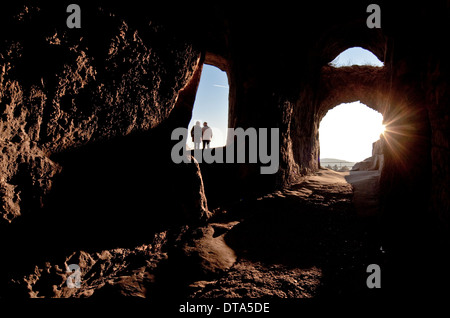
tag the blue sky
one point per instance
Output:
(211, 104)
(346, 132)
(356, 56)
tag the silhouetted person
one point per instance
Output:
(206, 135)
(196, 134)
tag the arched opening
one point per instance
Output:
(356, 56)
(211, 106)
(347, 133)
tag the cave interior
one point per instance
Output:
(87, 115)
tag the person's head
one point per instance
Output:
(197, 123)
(205, 124)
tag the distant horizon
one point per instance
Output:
(335, 160)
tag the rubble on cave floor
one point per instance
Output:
(300, 242)
(304, 241)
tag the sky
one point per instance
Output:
(211, 104)
(356, 56)
(346, 132)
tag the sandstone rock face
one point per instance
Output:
(86, 116)
(61, 90)
(375, 162)
(211, 252)
(103, 274)
(80, 110)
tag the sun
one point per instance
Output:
(382, 129)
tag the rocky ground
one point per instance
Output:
(305, 241)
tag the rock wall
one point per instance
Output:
(374, 162)
(62, 88)
(280, 77)
(276, 83)
(89, 109)
(81, 135)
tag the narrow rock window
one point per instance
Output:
(346, 134)
(356, 56)
(211, 105)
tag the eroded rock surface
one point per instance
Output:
(61, 90)
(305, 241)
(85, 123)
(375, 162)
(117, 272)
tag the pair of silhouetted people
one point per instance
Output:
(200, 134)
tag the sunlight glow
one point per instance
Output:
(348, 131)
(399, 131)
